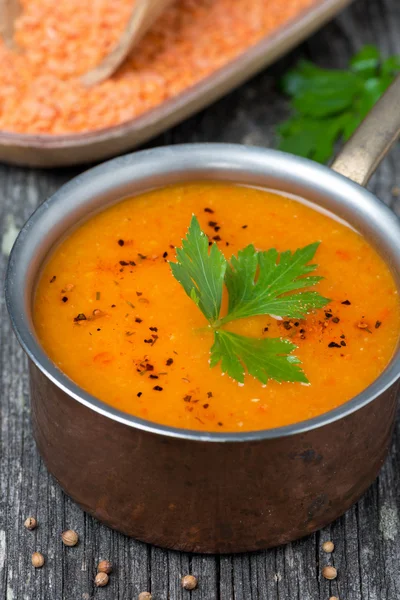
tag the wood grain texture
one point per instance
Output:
(367, 538)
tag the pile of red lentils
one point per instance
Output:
(59, 40)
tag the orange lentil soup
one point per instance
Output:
(112, 317)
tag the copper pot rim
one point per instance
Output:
(36, 354)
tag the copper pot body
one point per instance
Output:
(188, 490)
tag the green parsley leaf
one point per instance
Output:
(328, 105)
(258, 283)
(266, 358)
(200, 272)
(262, 283)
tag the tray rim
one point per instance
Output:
(52, 150)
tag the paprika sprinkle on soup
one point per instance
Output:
(40, 88)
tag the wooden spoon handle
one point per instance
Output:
(144, 13)
(9, 11)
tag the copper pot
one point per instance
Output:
(190, 490)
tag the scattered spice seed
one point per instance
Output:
(343, 343)
(153, 328)
(121, 242)
(206, 405)
(145, 596)
(104, 566)
(80, 317)
(187, 398)
(165, 254)
(189, 582)
(209, 395)
(169, 362)
(220, 424)
(333, 345)
(378, 324)
(130, 304)
(101, 579)
(244, 226)
(149, 367)
(346, 302)
(37, 560)
(139, 394)
(329, 573)
(328, 547)
(97, 296)
(217, 238)
(335, 320)
(30, 523)
(209, 210)
(70, 537)
(153, 376)
(157, 388)
(212, 223)
(137, 320)
(52, 280)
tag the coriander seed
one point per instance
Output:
(70, 537)
(37, 560)
(104, 566)
(328, 547)
(30, 523)
(101, 579)
(189, 582)
(144, 596)
(329, 572)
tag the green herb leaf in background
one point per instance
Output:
(328, 105)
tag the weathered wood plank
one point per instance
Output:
(367, 538)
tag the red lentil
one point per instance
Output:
(40, 91)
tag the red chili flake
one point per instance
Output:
(244, 226)
(346, 302)
(169, 362)
(139, 293)
(121, 242)
(206, 405)
(52, 280)
(212, 223)
(165, 254)
(123, 263)
(157, 388)
(187, 398)
(138, 320)
(216, 238)
(209, 395)
(64, 299)
(80, 317)
(378, 324)
(139, 394)
(149, 367)
(333, 345)
(335, 320)
(209, 210)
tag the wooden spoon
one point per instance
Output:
(9, 11)
(144, 13)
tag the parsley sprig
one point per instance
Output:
(328, 105)
(258, 283)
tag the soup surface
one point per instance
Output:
(145, 348)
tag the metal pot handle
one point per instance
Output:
(373, 139)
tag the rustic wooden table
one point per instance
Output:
(367, 538)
